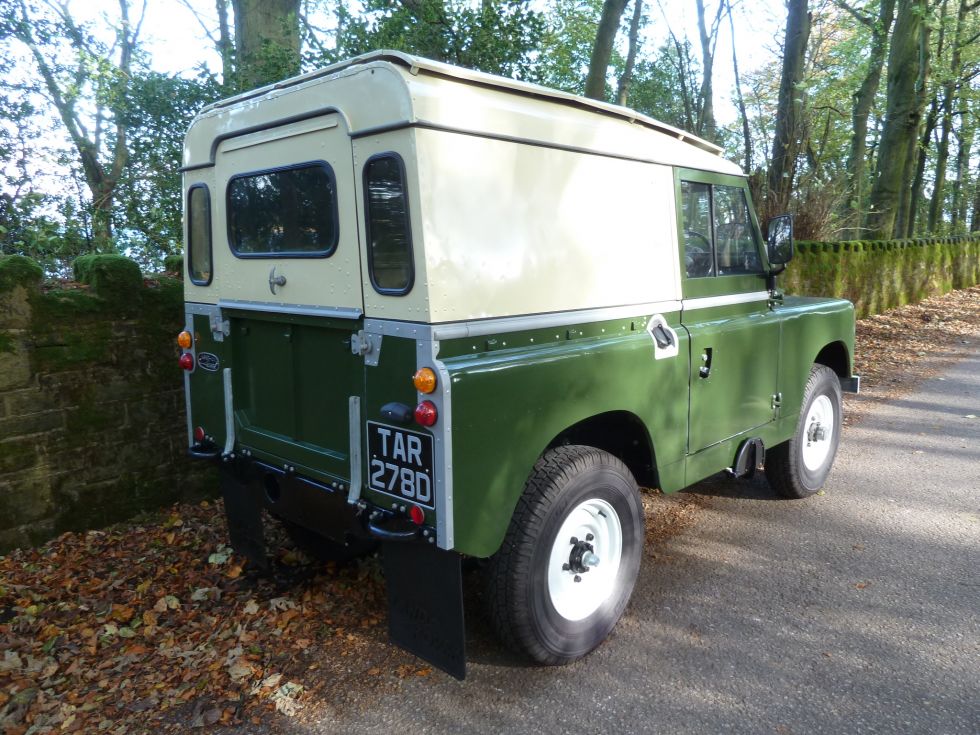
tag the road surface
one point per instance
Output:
(855, 611)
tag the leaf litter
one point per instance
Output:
(157, 626)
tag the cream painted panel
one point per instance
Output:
(333, 281)
(367, 96)
(469, 107)
(516, 229)
(413, 306)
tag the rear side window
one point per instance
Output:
(199, 234)
(389, 235)
(288, 211)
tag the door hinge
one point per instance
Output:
(368, 345)
(777, 400)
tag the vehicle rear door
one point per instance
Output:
(289, 278)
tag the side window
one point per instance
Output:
(718, 234)
(389, 234)
(696, 203)
(288, 211)
(735, 245)
(199, 234)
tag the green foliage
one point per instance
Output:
(18, 270)
(112, 277)
(496, 36)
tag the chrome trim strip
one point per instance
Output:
(192, 307)
(354, 420)
(728, 300)
(189, 326)
(341, 312)
(427, 352)
(229, 415)
(482, 327)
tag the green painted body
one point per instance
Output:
(744, 356)
(516, 393)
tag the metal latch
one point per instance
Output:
(777, 400)
(368, 345)
(220, 328)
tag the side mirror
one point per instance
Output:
(780, 241)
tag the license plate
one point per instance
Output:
(400, 463)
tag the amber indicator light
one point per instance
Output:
(185, 340)
(425, 380)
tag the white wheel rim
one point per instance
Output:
(818, 433)
(592, 522)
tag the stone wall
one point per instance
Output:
(882, 274)
(92, 427)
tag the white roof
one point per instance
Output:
(417, 91)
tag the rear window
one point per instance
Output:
(199, 234)
(389, 235)
(286, 211)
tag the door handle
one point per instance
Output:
(705, 368)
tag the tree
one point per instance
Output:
(622, 92)
(100, 140)
(595, 82)
(782, 169)
(906, 74)
(862, 102)
(709, 38)
(267, 41)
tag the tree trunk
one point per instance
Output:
(622, 94)
(706, 126)
(960, 186)
(902, 117)
(975, 219)
(225, 48)
(950, 92)
(740, 100)
(789, 108)
(595, 82)
(911, 199)
(864, 99)
(267, 40)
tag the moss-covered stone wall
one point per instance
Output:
(92, 427)
(880, 275)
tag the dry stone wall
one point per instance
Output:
(92, 427)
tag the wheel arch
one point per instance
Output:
(836, 357)
(621, 433)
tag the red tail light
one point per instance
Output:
(187, 361)
(417, 515)
(199, 434)
(426, 414)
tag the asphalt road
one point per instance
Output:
(856, 611)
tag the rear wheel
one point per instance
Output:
(567, 567)
(798, 468)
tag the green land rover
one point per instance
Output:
(465, 316)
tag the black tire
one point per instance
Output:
(566, 480)
(786, 469)
(322, 549)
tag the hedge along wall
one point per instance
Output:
(880, 275)
(92, 427)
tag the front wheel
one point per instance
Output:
(798, 468)
(567, 567)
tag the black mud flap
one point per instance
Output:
(425, 604)
(244, 515)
